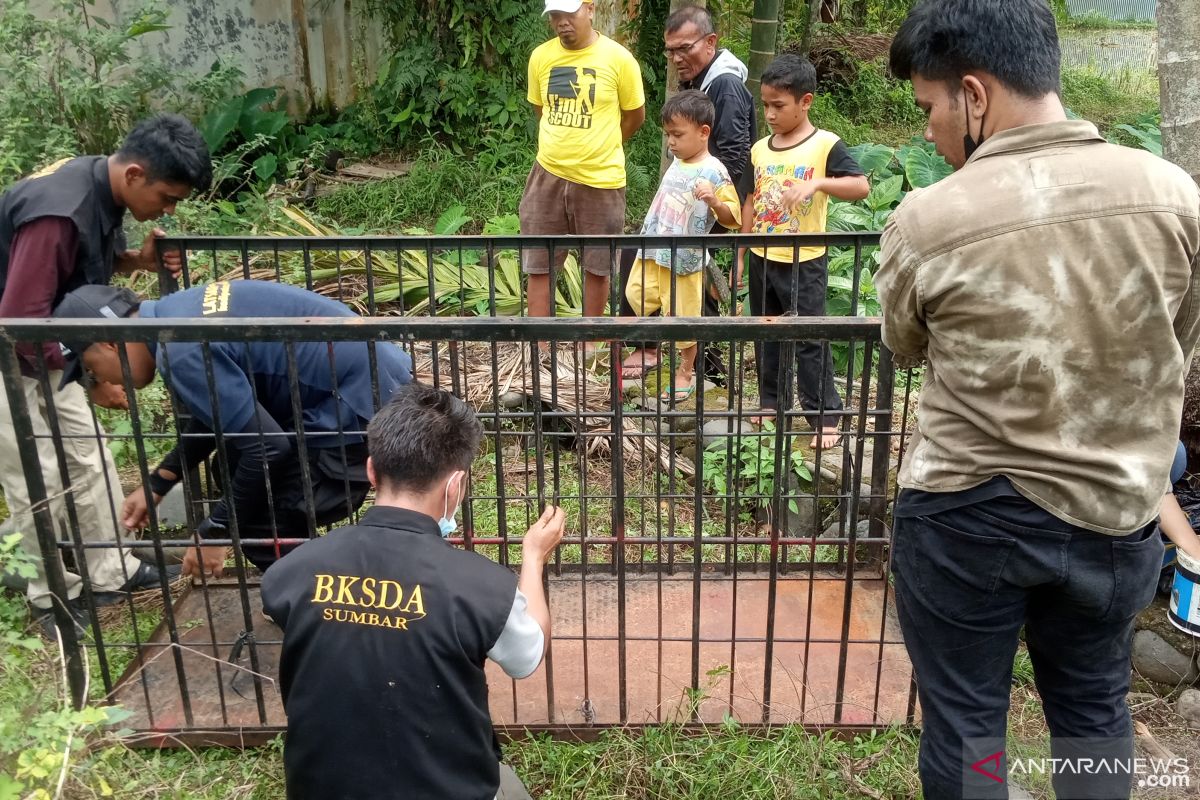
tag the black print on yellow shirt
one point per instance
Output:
(572, 96)
(387, 603)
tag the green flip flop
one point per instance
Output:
(673, 395)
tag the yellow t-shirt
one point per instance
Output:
(776, 171)
(582, 94)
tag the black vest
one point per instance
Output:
(386, 631)
(77, 189)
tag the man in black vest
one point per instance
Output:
(691, 45)
(387, 627)
(61, 228)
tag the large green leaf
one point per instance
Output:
(849, 217)
(255, 99)
(923, 167)
(885, 193)
(873, 158)
(217, 124)
(262, 123)
(148, 21)
(451, 221)
(264, 166)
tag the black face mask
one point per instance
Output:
(969, 143)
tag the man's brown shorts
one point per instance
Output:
(554, 206)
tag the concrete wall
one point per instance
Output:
(1140, 10)
(318, 51)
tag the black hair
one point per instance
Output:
(422, 434)
(169, 148)
(690, 104)
(791, 73)
(696, 15)
(1015, 41)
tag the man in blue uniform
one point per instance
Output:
(248, 400)
(386, 627)
(61, 228)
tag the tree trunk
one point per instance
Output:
(814, 16)
(1179, 93)
(1179, 82)
(673, 86)
(764, 30)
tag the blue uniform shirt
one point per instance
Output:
(244, 372)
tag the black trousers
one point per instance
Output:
(338, 490)
(967, 580)
(710, 363)
(778, 289)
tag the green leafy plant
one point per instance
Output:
(893, 172)
(38, 729)
(70, 82)
(747, 465)
(155, 420)
(453, 66)
(1146, 133)
(15, 561)
(256, 143)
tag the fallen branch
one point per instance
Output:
(1153, 748)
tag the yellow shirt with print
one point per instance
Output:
(582, 94)
(776, 171)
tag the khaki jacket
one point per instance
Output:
(1051, 285)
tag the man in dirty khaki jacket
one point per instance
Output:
(1050, 285)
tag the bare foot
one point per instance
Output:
(828, 438)
(763, 415)
(638, 363)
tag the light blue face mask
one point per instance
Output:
(447, 524)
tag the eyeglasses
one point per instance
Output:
(682, 50)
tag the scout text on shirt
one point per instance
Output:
(389, 604)
(572, 95)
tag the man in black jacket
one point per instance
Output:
(691, 45)
(387, 627)
(60, 229)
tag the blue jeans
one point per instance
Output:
(967, 580)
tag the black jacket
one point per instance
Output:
(76, 189)
(735, 128)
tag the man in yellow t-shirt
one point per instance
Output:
(587, 91)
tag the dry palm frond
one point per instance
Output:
(568, 386)
(146, 602)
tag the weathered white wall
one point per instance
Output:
(318, 51)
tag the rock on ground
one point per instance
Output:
(1157, 660)
(1188, 707)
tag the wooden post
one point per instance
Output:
(764, 30)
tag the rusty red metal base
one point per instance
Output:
(834, 658)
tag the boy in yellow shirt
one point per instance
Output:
(695, 191)
(788, 181)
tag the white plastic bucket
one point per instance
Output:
(1184, 608)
